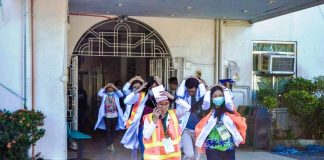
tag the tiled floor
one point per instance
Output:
(95, 149)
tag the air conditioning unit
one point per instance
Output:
(278, 64)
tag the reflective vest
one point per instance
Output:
(238, 120)
(134, 109)
(154, 149)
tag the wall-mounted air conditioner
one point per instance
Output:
(278, 64)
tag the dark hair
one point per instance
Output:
(150, 81)
(191, 83)
(222, 109)
(106, 89)
(151, 102)
(173, 80)
(136, 81)
(118, 83)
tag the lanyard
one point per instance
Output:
(165, 127)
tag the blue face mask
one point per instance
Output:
(110, 93)
(218, 101)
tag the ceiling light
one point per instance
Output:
(271, 1)
(245, 10)
(120, 4)
(189, 8)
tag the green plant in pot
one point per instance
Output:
(19, 130)
(271, 102)
(267, 96)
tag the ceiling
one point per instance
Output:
(252, 10)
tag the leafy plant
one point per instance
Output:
(290, 133)
(305, 107)
(19, 130)
(301, 84)
(271, 102)
(266, 88)
(319, 83)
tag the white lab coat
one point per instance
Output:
(130, 138)
(229, 124)
(182, 93)
(127, 112)
(101, 114)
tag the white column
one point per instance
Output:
(50, 30)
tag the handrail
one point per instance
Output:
(13, 92)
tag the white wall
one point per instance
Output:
(193, 39)
(307, 28)
(189, 38)
(49, 50)
(236, 47)
(11, 34)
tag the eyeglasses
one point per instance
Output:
(163, 105)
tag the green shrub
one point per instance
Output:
(19, 130)
(305, 101)
(319, 83)
(271, 102)
(301, 84)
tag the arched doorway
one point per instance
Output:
(116, 37)
(115, 49)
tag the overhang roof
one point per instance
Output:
(251, 10)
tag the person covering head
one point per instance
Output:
(173, 83)
(158, 93)
(217, 101)
(151, 83)
(191, 85)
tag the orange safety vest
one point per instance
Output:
(238, 120)
(154, 149)
(134, 109)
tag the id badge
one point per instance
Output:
(223, 132)
(168, 146)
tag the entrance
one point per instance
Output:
(114, 50)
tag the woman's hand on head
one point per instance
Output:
(108, 85)
(114, 87)
(166, 93)
(142, 87)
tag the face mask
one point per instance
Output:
(110, 93)
(218, 101)
(134, 88)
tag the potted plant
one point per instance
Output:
(19, 130)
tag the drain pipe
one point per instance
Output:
(91, 15)
(220, 52)
(32, 54)
(25, 11)
(216, 37)
(32, 65)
